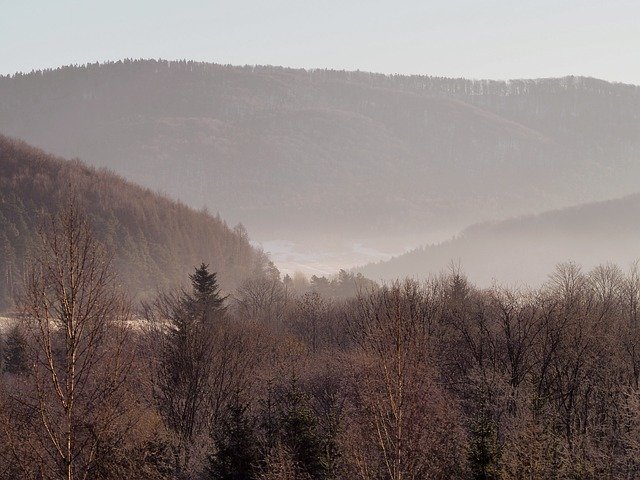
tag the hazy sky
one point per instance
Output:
(478, 39)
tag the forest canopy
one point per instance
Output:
(155, 241)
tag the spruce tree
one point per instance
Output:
(15, 351)
(205, 289)
(484, 451)
(186, 363)
(236, 443)
(300, 435)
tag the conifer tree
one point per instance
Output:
(236, 443)
(206, 291)
(300, 435)
(186, 364)
(14, 355)
(484, 452)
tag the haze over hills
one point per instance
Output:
(155, 241)
(325, 160)
(524, 250)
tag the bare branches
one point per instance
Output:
(77, 329)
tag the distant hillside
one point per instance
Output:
(156, 241)
(525, 249)
(308, 153)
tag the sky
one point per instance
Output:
(456, 38)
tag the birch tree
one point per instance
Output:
(76, 323)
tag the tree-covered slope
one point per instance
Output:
(525, 249)
(155, 241)
(314, 152)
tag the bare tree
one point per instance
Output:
(261, 298)
(311, 310)
(76, 323)
(405, 418)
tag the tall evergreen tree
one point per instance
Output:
(14, 353)
(484, 451)
(205, 290)
(299, 433)
(187, 360)
(236, 442)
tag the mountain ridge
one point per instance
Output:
(596, 232)
(298, 155)
(155, 241)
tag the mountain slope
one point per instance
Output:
(155, 241)
(295, 153)
(525, 249)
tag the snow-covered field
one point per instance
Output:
(135, 323)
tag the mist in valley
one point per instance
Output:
(335, 169)
(319, 240)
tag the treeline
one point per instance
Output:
(434, 380)
(491, 250)
(432, 83)
(341, 286)
(568, 102)
(154, 240)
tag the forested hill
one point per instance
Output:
(155, 241)
(525, 249)
(313, 152)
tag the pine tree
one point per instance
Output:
(185, 366)
(484, 452)
(236, 456)
(206, 292)
(299, 432)
(15, 351)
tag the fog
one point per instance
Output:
(334, 169)
(523, 251)
(296, 240)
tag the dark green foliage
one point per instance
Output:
(236, 443)
(343, 285)
(14, 354)
(206, 292)
(196, 309)
(484, 451)
(187, 359)
(299, 433)
(329, 409)
(288, 424)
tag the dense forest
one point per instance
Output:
(297, 153)
(434, 380)
(523, 250)
(155, 241)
